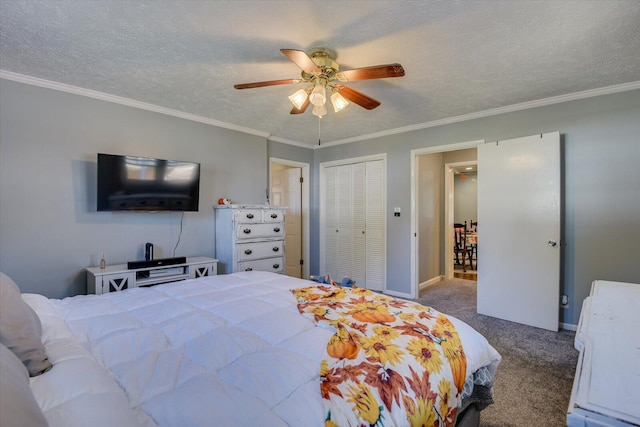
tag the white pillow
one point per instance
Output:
(20, 328)
(18, 406)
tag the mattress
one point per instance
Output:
(228, 350)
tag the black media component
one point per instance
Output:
(148, 251)
(132, 265)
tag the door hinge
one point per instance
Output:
(301, 180)
(301, 262)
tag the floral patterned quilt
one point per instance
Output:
(390, 363)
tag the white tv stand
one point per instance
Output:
(115, 278)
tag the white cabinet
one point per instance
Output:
(354, 223)
(115, 278)
(250, 237)
(606, 387)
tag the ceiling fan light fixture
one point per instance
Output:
(338, 101)
(319, 110)
(318, 96)
(298, 98)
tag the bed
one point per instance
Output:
(249, 349)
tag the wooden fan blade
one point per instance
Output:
(301, 59)
(367, 73)
(302, 109)
(267, 83)
(358, 97)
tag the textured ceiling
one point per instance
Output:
(460, 57)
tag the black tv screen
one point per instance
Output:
(130, 183)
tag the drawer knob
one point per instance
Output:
(274, 215)
(247, 230)
(276, 249)
(277, 229)
(248, 269)
(250, 215)
(248, 251)
(276, 266)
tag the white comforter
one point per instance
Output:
(229, 350)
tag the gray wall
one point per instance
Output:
(465, 198)
(49, 228)
(601, 149)
(430, 211)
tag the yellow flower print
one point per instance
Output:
(419, 412)
(381, 349)
(324, 367)
(318, 311)
(386, 333)
(444, 388)
(426, 352)
(364, 403)
(408, 317)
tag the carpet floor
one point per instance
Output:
(533, 382)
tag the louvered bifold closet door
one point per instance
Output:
(375, 226)
(355, 223)
(344, 220)
(331, 222)
(359, 223)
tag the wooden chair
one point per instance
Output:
(459, 242)
(472, 248)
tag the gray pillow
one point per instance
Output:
(20, 328)
(18, 406)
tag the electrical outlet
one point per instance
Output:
(564, 301)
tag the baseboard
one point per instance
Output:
(422, 286)
(568, 326)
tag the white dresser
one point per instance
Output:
(606, 388)
(249, 237)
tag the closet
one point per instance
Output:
(354, 223)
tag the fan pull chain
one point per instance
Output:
(319, 129)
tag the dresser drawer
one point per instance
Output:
(273, 216)
(250, 251)
(244, 216)
(253, 231)
(275, 265)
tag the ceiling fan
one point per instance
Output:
(322, 72)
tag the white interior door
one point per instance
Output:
(519, 230)
(293, 223)
(286, 190)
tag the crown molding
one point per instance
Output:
(288, 141)
(21, 78)
(624, 87)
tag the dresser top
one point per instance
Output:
(235, 206)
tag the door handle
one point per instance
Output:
(552, 243)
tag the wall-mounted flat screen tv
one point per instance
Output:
(130, 183)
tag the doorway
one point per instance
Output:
(289, 186)
(461, 215)
(430, 217)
